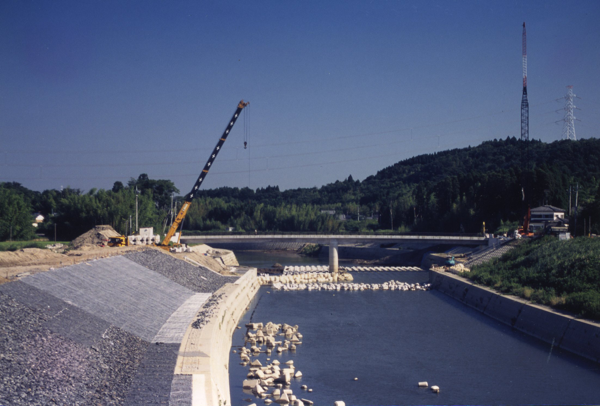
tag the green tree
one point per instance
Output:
(15, 216)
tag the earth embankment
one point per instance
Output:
(104, 331)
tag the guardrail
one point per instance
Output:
(341, 237)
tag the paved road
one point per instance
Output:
(341, 238)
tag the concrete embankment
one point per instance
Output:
(561, 330)
(203, 358)
(100, 332)
(259, 246)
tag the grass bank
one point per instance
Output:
(17, 245)
(560, 274)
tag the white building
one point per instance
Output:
(548, 216)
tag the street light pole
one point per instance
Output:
(136, 210)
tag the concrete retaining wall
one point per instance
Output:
(581, 337)
(204, 353)
(258, 246)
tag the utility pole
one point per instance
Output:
(576, 202)
(570, 187)
(172, 194)
(136, 210)
(54, 232)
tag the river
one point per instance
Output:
(392, 340)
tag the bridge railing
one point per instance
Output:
(195, 233)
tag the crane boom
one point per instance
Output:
(190, 196)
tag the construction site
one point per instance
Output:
(93, 245)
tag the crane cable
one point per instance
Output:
(246, 126)
(246, 132)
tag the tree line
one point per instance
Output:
(452, 191)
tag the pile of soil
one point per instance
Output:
(97, 235)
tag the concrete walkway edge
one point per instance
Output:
(204, 353)
(559, 329)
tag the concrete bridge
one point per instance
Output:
(332, 240)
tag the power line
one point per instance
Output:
(258, 158)
(341, 137)
(171, 176)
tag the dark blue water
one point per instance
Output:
(393, 340)
(266, 260)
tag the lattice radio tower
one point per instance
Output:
(569, 120)
(524, 102)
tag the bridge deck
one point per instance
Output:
(341, 238)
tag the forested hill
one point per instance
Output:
(454, 190)
(575, 160)
(459, 189)
(449, 191)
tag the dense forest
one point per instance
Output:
(453, 191)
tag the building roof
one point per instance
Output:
(548, 209)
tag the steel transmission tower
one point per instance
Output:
(524, 102)
(569, 127)
(525, 158)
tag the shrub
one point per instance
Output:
(527, 292)
(548, 271)
(585, 304)
(311, 250)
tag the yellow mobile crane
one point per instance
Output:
(190, 196)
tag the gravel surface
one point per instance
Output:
(207, 311)
(54, 352)
(152, 383)
(197, 279)
(117, 290)
(41, 367)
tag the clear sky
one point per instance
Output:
(96, 91)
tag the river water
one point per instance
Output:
(392, 340)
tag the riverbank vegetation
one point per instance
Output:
(19, 245)
(452, 191)
(561, 274)
(311, 250)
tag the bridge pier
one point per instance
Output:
(333, 255)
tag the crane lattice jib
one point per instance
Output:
(190, 196)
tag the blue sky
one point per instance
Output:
(94, 92)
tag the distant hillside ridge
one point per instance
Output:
(448, 191)
(454, 191)
(483, 183)
(576, 159)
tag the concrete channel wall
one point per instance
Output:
(578, 336)
(204, 353)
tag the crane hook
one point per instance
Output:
(245, 145)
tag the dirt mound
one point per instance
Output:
(97, 235)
